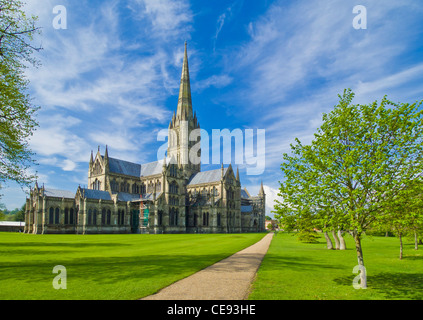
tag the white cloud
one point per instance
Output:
(168, 18)
(94, 86)
(217, 81)
(302, 54)
(271, 196)
(68, 165)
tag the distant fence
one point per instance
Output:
(12, 226)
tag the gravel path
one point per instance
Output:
(228, 279)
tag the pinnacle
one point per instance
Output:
(184, 111)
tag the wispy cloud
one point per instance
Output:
(168, 18)
(293, 68)
(226, 17)
(95, 86)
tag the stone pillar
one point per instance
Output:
(45, 218)
(27, 208)
(127, 218)
(84, 217)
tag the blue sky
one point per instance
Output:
(112, 77)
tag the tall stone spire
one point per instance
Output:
(261, 192)
(184, 111)
(181, 126)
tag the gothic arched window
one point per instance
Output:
(71, 216)
(109, 215)
(66, 216)
(95, 217)
(51, 216)
(103, 217)
(57, 216)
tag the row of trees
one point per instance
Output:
(13, 215)
(362, 170)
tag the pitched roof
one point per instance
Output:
(124, 167)
(244, 194)
(59, 193)
(145, 197)
(134, 169)
(95, 194)
(151, 168)
(123, 196)
(207, 176)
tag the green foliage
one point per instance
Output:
(308, 236)
(362, 157)
(17, 113)
(13, 215)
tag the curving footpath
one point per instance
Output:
(228, 279)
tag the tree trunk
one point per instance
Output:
(401, 250)
(336, 239)
(363, 276)
(342, 243)
(416, 242)
(328, 241)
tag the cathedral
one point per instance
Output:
(171, 195)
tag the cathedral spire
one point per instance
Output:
(261, 188)
(184, 111)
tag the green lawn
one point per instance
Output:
(107, 266)
(294, 270)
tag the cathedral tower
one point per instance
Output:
(182, 150)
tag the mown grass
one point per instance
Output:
(292, 270)
(106, 267)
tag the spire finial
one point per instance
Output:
(184, 110)
(261, 188)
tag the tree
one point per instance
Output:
(362, 156)
(403, 214)
(17, 113)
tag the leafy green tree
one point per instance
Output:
(403, 214)
(2, 212)
(17, 113)
(362, 156)
(20, 213)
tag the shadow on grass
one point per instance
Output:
(63, 244)
(109, 270)
(392, 285)
(277, 262)
(42, 248)
(409, 257)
